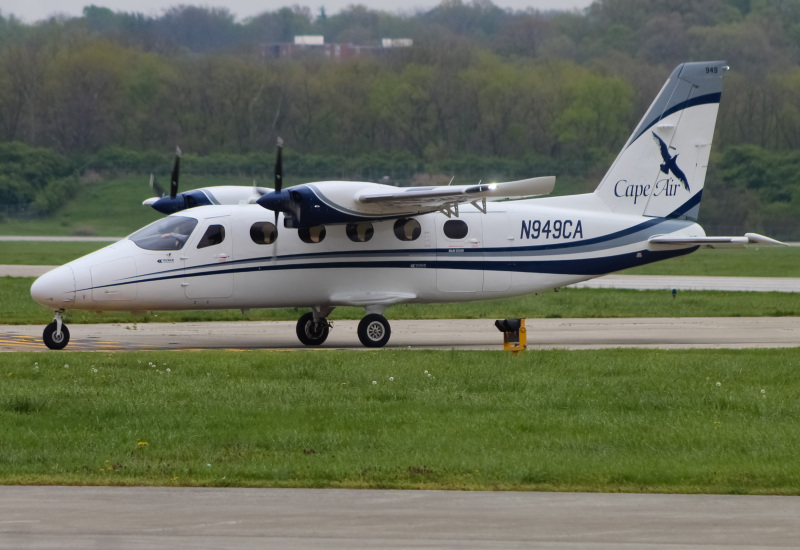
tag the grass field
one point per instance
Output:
(619, 420)
(112, 208)
(44, 253)
(17, 307)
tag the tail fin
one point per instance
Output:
(661, 170)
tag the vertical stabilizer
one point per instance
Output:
(661, 170)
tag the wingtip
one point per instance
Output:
(755, 238)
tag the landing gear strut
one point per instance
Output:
(56, 334)
(313, 327)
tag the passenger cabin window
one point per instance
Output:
(407, 229)
(214, 235)
(359, 232)
(168, 233)
(455, 229)
(314, 234)
(263, 232)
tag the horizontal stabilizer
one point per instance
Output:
(670, 242)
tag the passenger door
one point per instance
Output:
(459, 253)
(205, 260)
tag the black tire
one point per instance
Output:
(310, 333)
(50, 338)
(374, 331)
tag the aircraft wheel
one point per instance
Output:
(311, 333)
(53, 340)
(374, 331)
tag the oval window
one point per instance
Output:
(314, 234)
(214, 235)
(263, 232)
(407, 229)
(359, 232)
(455, 229)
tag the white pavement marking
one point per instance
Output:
(200, 518)
(24, 270)
(467, 334)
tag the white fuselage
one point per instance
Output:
(517, 247)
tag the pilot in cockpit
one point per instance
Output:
(180, 233)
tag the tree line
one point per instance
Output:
(484, 90)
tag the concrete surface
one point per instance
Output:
(663, 333)
(186, 518)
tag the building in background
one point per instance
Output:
(316, 43)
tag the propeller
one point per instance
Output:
(279, 200)
(156, 187)
(162, 203)
(176, 171)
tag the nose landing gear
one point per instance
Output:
(312, 332)
(56, 334)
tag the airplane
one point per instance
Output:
(372, 245)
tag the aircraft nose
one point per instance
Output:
(56, 288)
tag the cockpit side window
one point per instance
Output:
(215, 234)
(168, 233)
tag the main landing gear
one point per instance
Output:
(373, 330)
(56, 334)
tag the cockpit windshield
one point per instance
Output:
(168, 233)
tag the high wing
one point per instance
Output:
(670, 242)
(338, 202)
(447, 198)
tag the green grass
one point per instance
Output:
(110, 208)
(765, 261)
(697, 421)
(17, 307)
(44, 253)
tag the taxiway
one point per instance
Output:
(467, 334)
(177, 518)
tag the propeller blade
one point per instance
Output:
(176, 170)
(279, 167)
(275, 242)
(155, 186)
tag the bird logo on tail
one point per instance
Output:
(670, 162)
